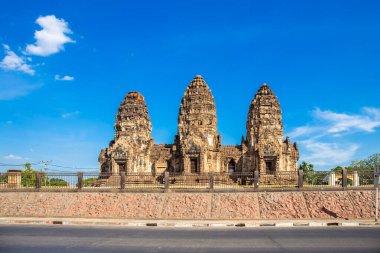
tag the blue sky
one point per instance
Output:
(66, 66)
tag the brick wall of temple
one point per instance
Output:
(250, 205)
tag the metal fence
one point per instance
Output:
(189, 181)
(244, 181)
(233, 181)
(143, 181)
(322, 179)
(286, 179)
(360, 178)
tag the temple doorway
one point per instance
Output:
(231, 166)
(122, 167)
(270, 167)
(194, 165)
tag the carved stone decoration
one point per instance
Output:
(197, 146)
(266, 148)
(197, 129)
(130, 151)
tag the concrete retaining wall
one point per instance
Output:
(221, 206)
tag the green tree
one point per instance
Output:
(57, 182)
(370, 163)
(365, 168)
(3, 178)
(89, 181)
(309, 174)
(338, 170)
(28, 176)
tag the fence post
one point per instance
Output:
(355, 179)
(166, 181)
(332, 178)
(38, 180)
(80, 180)
(376, 177)
(344, 178)
(122, 180)
(211, 182)
(300, 179)
(256, 179)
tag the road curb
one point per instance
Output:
(184, 223)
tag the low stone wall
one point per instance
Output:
(221, 206)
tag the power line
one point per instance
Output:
(60, 166)
(4, 164)
(48, 163)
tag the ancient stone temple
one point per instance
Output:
(197, 146)
(266, 149)
(131, 149)
(198, 141)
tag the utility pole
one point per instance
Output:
(46, 163)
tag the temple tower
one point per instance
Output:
(197, 145)
(198, 141)
(267, 152)
(131, 148)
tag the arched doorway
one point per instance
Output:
(231, 166)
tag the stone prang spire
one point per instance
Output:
(197, 145)
(267, 151)
(197, 127)
(133, 119)
(264, 117)
(133, 141)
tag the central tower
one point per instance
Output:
(198, 141)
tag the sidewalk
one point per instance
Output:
(186, 223)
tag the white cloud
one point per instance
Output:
(70, 114)
(14, 62)
(329, 123)
(63, 78)
(328, 154)
(303, 131)
(375, 112)
(12, 157)
(20, 89)
(13, 86)
(318, 139)
(51, 38)
(340, 122)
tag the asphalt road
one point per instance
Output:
(58, 238)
